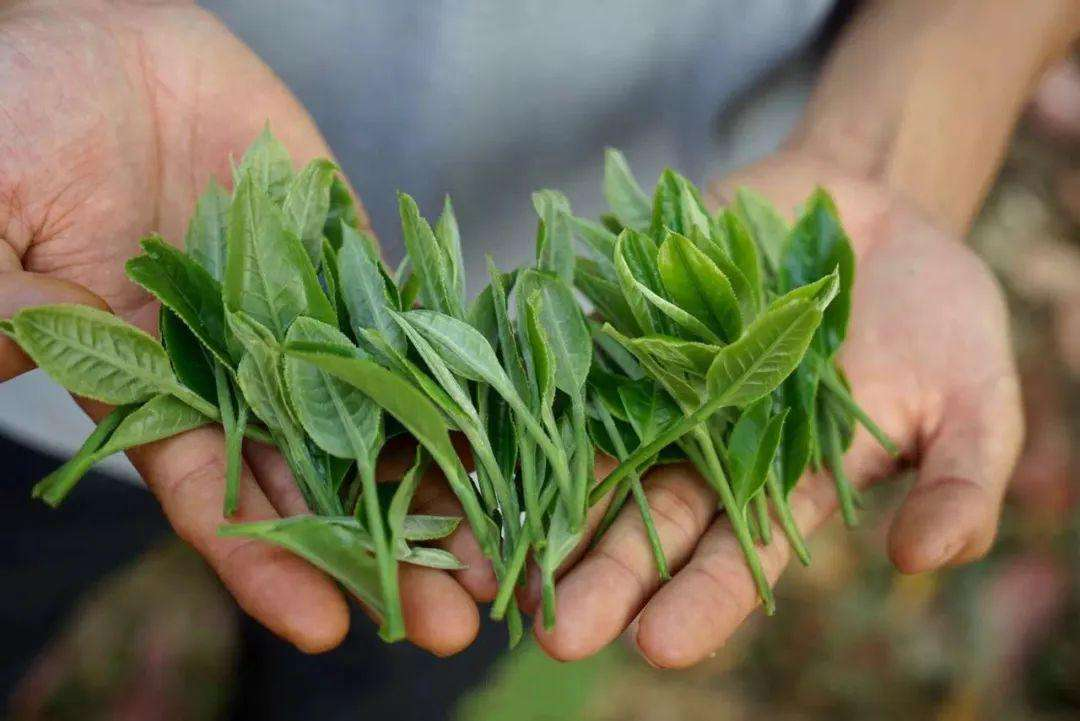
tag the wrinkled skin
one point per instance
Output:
(113, 116)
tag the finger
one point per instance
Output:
(434, 497)
(599, 596)
(529, 595)
(278, 589)
(440, 615)
(950, 516)
(274, 476)
(697, 611)
(21, 289)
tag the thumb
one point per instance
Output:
(950, 516)
(21, 289)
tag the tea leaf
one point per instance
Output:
(635, 266)
(186, 288)
(555, 247)
(327, 544)
(698, 286)
(94, 354)
(432, 558)
(364, 291)
(605, 295)
(766, 354)
(767, 227)
(190, 360)
(599, 239)
(55, 487)
(205, 240)
(799, 394)
(818, 246)
(268, 164)
(679, 317)
(463, 348)
(342, 420)
(396, 516)
(687, 356)
(342, 210)
(568, 335)
(449, 237)
(269, 275)
(160, 417)
(627, 200)
(431, 264)
(307, 201)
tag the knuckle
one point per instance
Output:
(675, 510)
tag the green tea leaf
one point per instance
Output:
(307, 201)
(599, 240)
(799, 394)
(636, 266)
(627, 200)
(364, 291)
(259, 377)
(396, 396)
(767, 227)
(648, 408)
(428, 528)
(818, 246)
(753, 470)
(555, 246)
(327, 544)
(432, 558)
(94, 354)
(687, 356)
(268, 164)
(541, 362)
(186, 288)
(341, 420)
(449, 237)
(55, 487)
(160, 417)
(564, 325)
(431, 264)
(767, 353)
(269, 275)
(605, 295)
(342, 210)
(744, 254)
(190, 360)
(679, 318)
(463, 348)
(699, 287)
(396, 515)
(205, 240)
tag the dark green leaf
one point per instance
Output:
(185, 288)
(190, 360)
(698, 286)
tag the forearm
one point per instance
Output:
(922, 95)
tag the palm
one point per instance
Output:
(111, 139)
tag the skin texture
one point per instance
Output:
(113, 115)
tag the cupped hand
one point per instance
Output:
(113, 117)
(929, 358)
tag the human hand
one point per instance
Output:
(928, 357)
(113, 117)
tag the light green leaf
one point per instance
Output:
(431, 264)
(635, 267)
(605, 295)
(268, 164)
(554, 242)
(564, 325)
(341, 420)
(768, 228)
(679, 317)
(687, 356)
(160, 417)
(449, 237)
(767, 353)
(269, 275)
(205, 240)
(364, 290)
(627, 200)
(307, 201)
(463, 348)
(340, 551)
(432, 558)
(753, 470)
(600, 240)
(696, 285)
(94, 354)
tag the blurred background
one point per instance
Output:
(105, 615)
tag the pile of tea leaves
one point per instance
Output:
(711, 339)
